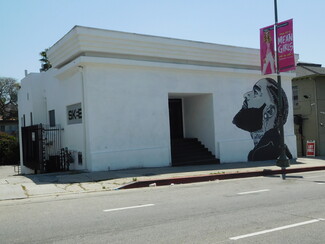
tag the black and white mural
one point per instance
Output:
(259, 116)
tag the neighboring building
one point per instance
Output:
(123, 99)
(9, 126)
(309, 107)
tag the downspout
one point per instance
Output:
(81, 69)
(316, 116)
(20, 125)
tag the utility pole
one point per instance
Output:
(282, 161)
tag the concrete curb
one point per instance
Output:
(213, 177)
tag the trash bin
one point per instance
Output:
(310, 152)
(53, 164)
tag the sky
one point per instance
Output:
(27, 27)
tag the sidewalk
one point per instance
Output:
(13, 186)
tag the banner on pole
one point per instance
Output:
(267, 50)
(286, 56)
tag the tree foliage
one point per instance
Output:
(8, 98)
(45, 61)
(9, 149)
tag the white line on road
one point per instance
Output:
(131, 207)
(251, 192)
(276, 229)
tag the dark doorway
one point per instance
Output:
(176, 118)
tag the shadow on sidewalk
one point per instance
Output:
(69, 177)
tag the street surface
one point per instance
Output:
(252, 210)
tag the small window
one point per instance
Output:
(79, 158)
(52, 118)
(295, 95)
(23, 120)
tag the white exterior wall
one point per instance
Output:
(60, 94)
(32, 103)
(32, 99)
(127, 107)
(125, 120)
(128, 118)
(43, 92)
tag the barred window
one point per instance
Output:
(52, 118)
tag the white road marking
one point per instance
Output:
(131, 207)
(321, 183)
(251, 192)
(276, 229)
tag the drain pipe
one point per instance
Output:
(316, 116)
(81, 69)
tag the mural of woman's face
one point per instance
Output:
(258, 107)
(259, 116)
(259, 96)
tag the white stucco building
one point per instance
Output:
(110, 91)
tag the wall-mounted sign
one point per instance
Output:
(74, 114)
(310, 148)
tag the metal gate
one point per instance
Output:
(42, 148)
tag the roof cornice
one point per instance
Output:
(85, 41)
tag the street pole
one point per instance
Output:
(282, 161)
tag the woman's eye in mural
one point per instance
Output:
(257, 91)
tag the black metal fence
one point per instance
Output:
(32, 146)
(42, 150)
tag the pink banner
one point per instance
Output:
(285, 46)
(267, 50)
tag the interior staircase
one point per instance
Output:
(190, 151)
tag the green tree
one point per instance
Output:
(45, 61)
(9, 149)
(8, 98)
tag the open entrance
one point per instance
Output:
(191, 121)
(176, 118)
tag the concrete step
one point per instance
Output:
(190, 151)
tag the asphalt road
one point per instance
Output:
(254, 210)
